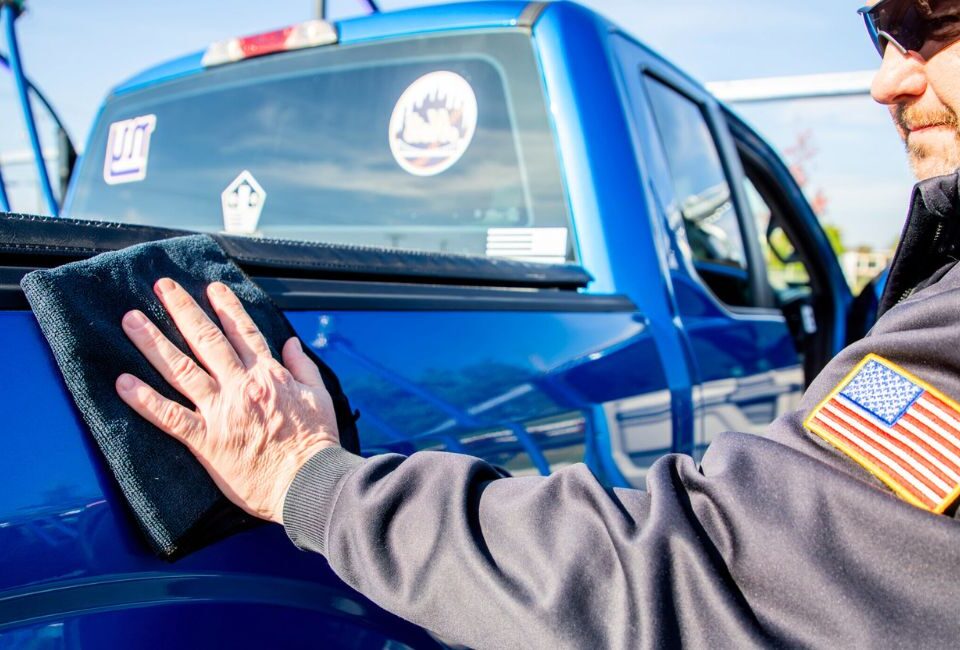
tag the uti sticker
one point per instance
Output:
(433, 123)
(242, 203)
(128, 148)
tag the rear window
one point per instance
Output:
(437, 144)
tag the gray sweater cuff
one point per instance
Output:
(312, 494)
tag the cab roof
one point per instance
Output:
(407, 22)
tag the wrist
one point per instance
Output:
(311, 497)
(296, 461)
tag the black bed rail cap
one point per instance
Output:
(48, 241)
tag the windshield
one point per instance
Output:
(437, 144)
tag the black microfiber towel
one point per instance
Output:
(79, 307)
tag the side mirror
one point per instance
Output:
(780, 244)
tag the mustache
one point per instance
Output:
(909, 118)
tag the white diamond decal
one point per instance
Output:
(242, 204)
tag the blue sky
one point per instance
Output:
(77, 51)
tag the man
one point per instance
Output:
(918, 79)
(825, 532)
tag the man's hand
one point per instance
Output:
(256, 421)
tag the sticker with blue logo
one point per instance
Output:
(128, 149)
(433, 123)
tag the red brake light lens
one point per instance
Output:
(312, 33)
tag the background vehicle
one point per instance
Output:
(588, 151)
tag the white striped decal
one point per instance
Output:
(892, 466)
(881, 436)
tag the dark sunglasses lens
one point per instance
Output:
(899, 20)
(925, 30)
(943, 26)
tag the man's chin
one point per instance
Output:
(930, 161)
(925, 168)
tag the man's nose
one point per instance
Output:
(901, 77)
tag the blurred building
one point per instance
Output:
(861, 266)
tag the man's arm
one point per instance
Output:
(767, 541)
(767, 546)
(562, 561)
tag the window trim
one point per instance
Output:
(762, 297)
(829, 307)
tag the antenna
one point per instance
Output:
(320, 8)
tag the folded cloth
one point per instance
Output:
(79, 307)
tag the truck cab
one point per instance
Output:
(385, 173)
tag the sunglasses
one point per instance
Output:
(921, 26)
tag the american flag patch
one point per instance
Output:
(898, 428)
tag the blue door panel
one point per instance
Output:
(526, 390)
(442, 380)
(744, 363)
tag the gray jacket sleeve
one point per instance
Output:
(775, 540)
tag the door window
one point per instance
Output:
(703, 196)
(786, 271)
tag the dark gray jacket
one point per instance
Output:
(773, 540)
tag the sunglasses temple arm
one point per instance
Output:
(892, 41)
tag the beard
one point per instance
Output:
(929, 159)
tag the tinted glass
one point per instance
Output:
(362, 144)
(702, 192)
(785, 270)
(923, 27)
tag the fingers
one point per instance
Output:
(206, 340)
(178, 369)
(240, 329)
(300, 365)
(167, 415)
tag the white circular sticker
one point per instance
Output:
(433, 123)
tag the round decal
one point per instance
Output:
(433, 123)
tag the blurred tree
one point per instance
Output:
(835, 235)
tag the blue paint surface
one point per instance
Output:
(517, 395)
(180, 67)
(431, 19)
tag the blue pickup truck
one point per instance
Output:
(388, 180)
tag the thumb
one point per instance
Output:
(299, 364)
